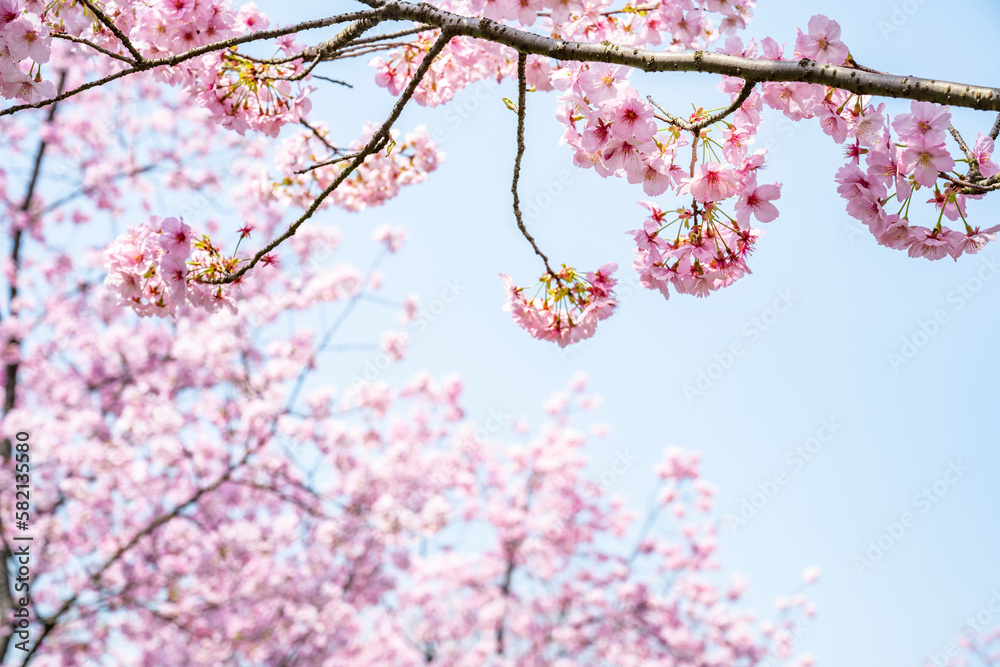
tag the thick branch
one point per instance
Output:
(859, 81)
(807, 71)
(347, 35)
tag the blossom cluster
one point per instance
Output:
(374, 182)
(152, 270)
(566, 306)
(897, 168)
(25, 45)
(614, 132)
(674, 24)
(240, 93)
(918, 159)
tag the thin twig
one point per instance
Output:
(101, 49)
(296, 77)
(110, 25)
(86, 191)
(338, 81)
(669, 117)
(326, 163)
(304, 123)
(996, 128)
(988, 185)
(378, 140)
(851, 62)
(270, 61)
(737, 103)
(394, 35)
(522, 59)
(961, 143)
(351, 52)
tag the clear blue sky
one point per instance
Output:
(898, 430)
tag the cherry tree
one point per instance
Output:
(199, 496)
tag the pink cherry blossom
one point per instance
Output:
(756, 200)
(631, 118)
(394, 344)
(982, 151)
(926, 123)
(27, 37)
(884, 166)
(712, 182)
(933, 244)
(601, 82)
(974, 240)
(925, 160)
(822, 42)
(897, 234)
(392, 237)
(571, 305)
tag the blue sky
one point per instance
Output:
(821, 369)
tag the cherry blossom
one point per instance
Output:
(822, 42)
(208, 494)
(570, 307)
(983, 150)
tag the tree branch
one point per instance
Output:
(806, 71)
(169, 61)
(50, 622)
(956, 135)
(375, 144)
(394, 35)
(326, 163)
(968, 188)
(11, 368)
(337, 81)
(110, 25)
(714, 118)
(342, 38)
(521, 94)
(100, 49)
(853, 79)
(737, 103)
